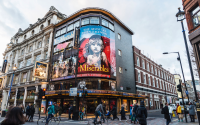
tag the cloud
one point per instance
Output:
(153, 22)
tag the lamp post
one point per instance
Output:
(180, 17)
(179, 59)
(14, 69)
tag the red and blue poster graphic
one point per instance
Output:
(97, 52)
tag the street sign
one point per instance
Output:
(80, 94)
(73, 92)
(186, 92)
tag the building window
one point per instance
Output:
(58, 33)
(22, 52)
(37, 58)
(164, 85)
(160, 85)
(119, 52)
(24, 36)
(151, 68)
(138, 77)
(70, 27)
(196, 16)
(157, 83)
(21, 64)
(143, 66)
(28, 62)
(31, 76)
(24, 77)
(153, 83)
(39, 44)
(76, 24)
(105, 23)
(85, 21)
(41, 27)
(156, 71)
(119, 36)
(144, 79)
(16, 79)
(32, 32)
(49, 21)
(146, 101)
(120, 69)
(30, 48)
(147, 66)
(149, 80)
(46, 55)
(94, 20)
(62, 31)
(138, 61)
(111, 26)
(48, 40)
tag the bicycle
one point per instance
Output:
(52, 121)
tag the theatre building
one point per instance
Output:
(153, 81)
(92, 46)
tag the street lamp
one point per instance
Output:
(14, 69)
(180, 17)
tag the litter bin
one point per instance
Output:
(3, 113)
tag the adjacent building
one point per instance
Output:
(154, 81)
(25, 48)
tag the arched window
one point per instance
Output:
(32, 32)
(24, 36)
(41, 27)
(49, 21)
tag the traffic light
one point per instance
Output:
(86, 93)
(43, 93)
(179, 88)
(40, 94)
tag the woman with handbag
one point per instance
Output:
(179, 113)
(191, 112)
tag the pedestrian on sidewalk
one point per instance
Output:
(14, 116)
(98, 111)
(28, 110)
(56, 108)
(59, 111)
(132, 113)
(141, 114)
(191, 112)
(114, 112)
(122, 112)
(134, 110)
(51, 112)
(32, 112)
(70, 111)
(166, 114)
(178, 112)
(170, 111)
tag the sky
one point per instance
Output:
(153, 22)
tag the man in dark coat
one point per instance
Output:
(134, 110)
(166, 113)
(70, 111)
(28, 111)
(32, 112)
(114, 112)
(122, 112)
(141, 114)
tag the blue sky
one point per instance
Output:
(153, 22)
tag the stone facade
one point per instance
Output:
(26, 47)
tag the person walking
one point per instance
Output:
(28, 111)
(14, 116)
(166, 113)
(59, 111)
(191, 112)
(32, 112)
(133, 113)
(178, 112)
(134, 110)
(56, 108)
(114, 112)
(70, 111)
(122, 112)
(51, 112)
(170, 111)
(141, 114)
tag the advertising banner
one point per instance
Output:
(97, 52)
(76, 38)
(43, 106)
(40, 70)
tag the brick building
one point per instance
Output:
(154, 81)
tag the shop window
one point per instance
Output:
(58, 87)
(92, 84)
(30, 94)
(76, 24)
(70, 27)
(126, 104)
(85, 21)
(105, 23)
(195, 13)
(105, 85)
(94, 20)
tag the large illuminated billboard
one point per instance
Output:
(96, 56)
(97, 52)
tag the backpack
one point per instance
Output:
(162, 111)
(139, 112)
